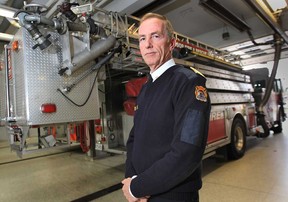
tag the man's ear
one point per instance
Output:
(172, 43)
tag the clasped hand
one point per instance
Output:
(126, 186)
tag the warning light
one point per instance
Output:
(48, 108)
(15, 45)
(99, 129)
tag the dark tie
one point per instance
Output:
(149, 80)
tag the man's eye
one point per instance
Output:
(155, 36)
(141, 39)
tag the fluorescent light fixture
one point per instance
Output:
(224, 14)
(7, 12)
(6, 37)
(276, 4)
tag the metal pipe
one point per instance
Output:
(92, 69)
(33, 30)
(39, 20)
(77, 26)
(82, 58)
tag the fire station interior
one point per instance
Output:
(83, 157)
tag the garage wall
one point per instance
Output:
(282, 71)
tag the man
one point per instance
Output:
(167, 142)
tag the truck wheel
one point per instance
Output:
(236, 149)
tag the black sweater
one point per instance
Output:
(167, 141)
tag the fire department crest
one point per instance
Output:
(201, 93)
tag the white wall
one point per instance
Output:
(282, 71)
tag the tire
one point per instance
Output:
(236, 149)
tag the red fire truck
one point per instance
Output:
(74, 79)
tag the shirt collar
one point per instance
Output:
(158, 72)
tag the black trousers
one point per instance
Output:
(194, 198)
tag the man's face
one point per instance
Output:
(154, 43)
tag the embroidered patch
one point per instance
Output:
(201, 93)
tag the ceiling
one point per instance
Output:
(192, 20)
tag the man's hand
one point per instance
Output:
(126, 186)
(126, 191)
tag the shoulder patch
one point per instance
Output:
(196, 71)
(201, 93)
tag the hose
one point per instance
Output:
(260, 112)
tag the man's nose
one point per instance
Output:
(148, 43)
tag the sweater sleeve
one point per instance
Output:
(192, 110)
(130, 171)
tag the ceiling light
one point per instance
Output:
(224, 14)
(6, 37)
(7, 12)
(276, 4)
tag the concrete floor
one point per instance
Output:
(261, 175)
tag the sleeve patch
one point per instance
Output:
(192, 129)
(201, 93)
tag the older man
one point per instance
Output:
(167, 142)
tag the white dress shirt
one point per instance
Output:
(158, 72)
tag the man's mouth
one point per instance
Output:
(151, 53)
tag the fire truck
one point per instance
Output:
(72, 74)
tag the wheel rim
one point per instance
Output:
(238, 138)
